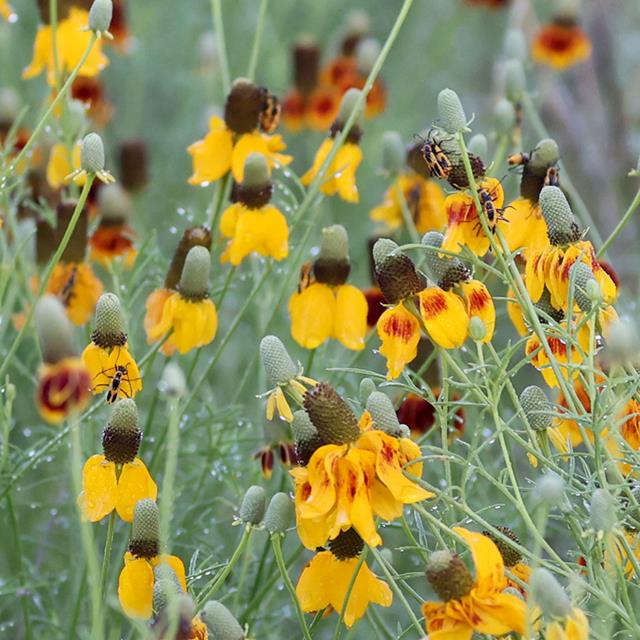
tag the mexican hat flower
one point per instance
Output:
(398, 327)
(561, 43)
(351, 475)
(252, 223)
(189, 317)
(469, 604)
(5, 10)
(247, 113)
(192, 237)
(551, 266)
(117, 478)
(514, 563)
(113, 369)
(285, 377)
(419, 414)
(527, 227)
(143, 562)
(325, 306)
(71, 41)
(62, 162)
(63, 380)
(623, 436)
(339, 176)
(325, 580)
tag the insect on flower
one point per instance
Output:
(270, 112)
(306, 276)
(493, 213)
(435, 158)
(118, 381)
(552, 177)
(67, 292)
(518, 159)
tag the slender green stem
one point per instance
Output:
(168, 483)
(218, 27)
(257, 40)
(53, 23)
(276, 543)
(106, 558)
(620, 226)
(49, 271)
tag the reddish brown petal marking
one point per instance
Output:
(305, 492)
(559, 38)
(401, 328)
(478, 299)
(557, 346)
(433, 304)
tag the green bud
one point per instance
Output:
(393, 152)
(305, 435)
(367, 52)
(54, 330)
(331, 415)
(357, 22)
(548, 594)
(194, 280)
(504, 114)
(584, 280)
(537, 408)
(335, 243)
(75, 117)
(109, 322)
(452, 116)
(145, 533)
(550, 489)
(220, 622)
(383, 414)
(276, 360)
(256, 171)
(367, 387)
(623, 341)
(515, 46)
(602, 511)
(279, 513)
(92, 154)
(166, 586)
(9, 105)
(100, 16)
(114, 203)
(348, 104)
(545, 154)
(478, 145)
(561, 225)
(514, 80)
(173, 382)
(381, 249)
(253, 505)
(444, 270)
(477, 329)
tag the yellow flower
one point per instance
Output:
(71, 42)
(574, 627)
(621, 555)
(320, 311)
(78, 288)
(464, 228)
(221, 151)
(192, 323)
(135, 585)
(113, 370)
(6, 11)
(526, 226)
(105, 488)
(111, 241)
(325, 581)
(399, 331)
(62, 163)
(63, 388)
(425, 201)
(484, 608)
(340, 176)
(561, 44)
(263, 230)
(343, 486)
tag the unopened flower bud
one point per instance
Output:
(384, 415)
(444, 270)
(505, 116)
(550, 489)
(537, 408)
(256, 170)
(121, 436)
(75, 117)
(9, 106)
(92, 154)
(603, 517)
(220, 622)
(477, 329)
(109, 322)
(276, 360)
(166, 586)
(451, 112)
(478, 145)
(561, 225)
(623, 341)
(549, 594)
(192, 237)
(331, 415)
(367, 387)
(306, 437)
(448, 575)
(145, 533)
(515, 45)
(54, 330)
(514, 80)
(348, 104)
(585, 292)
(382, 248)
(393, 153)
(194, 281)
(114, 203)
(545, 154)
(357, 22)
(100, 16)
(209, 51)
(173, 382)
(367, 52)
(278, 515)
(347, 544)
(253, 505)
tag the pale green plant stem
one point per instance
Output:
(53, 23)
(635, 203)
(218, 27)
(257, 40)
(443, 415)
(54, 103)
(406, 214)
(276, 543)
(48, 272)
(108, 546)
(169, 480)
(24, 605)
(500, 153)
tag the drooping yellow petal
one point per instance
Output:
(323, 151)
(256, 142)
(525, 227)
(99, 488)
(135, 588)
(5, 9)
(344, 167)
(487, 560)
(443, 626)
(350, 320)
(103, 365)
(444, 316)
(480, 303)
(229, 219)
(176, 564)
(312, 315)
(211, 156)
(500, 614)
(135, 483)
(399, 332)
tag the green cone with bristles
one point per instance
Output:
(477, 329)
(305, 435)
(145, 533)
(253, 505)
(220, 622)
(585, 285)
(92, 154)
(121, 436)
(332, 266)
(393, 153)
(173, 382)
(279, 512)
(448, 575)
(549, 594)
(561, 225)
(109, 328)
(331, 415)
(510, 555)
(114, 203)
(194, 281)
(381, 249)
(276, 360)
(451, 112)
(444, 270)
(166, 586)
(603, 517)
(384, 415)
(537, 408)
(256, 171)
(100, 16)
(544, 304)
(545, 154)
(347, 105)
(478, 145)
(515, 45)
(54, 330)
(515, 83)
(396, 273)
(367, 387)
(347, 544)
(504, 114)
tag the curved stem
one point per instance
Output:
(218, 26)
(253, 62)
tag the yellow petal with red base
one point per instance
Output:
(211, 156)
(135, 483)
(350, 320)
(399, 331)
(63, 388)
(313, 312)
(560, 45)
(480, 303)
(442, 625)
(99, 488)
(444, 316)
